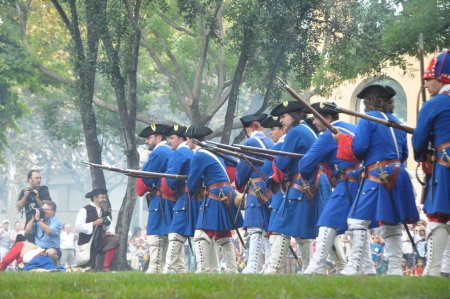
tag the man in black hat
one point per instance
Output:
(304, 199)
(160, 209)
(387, 197)
(214, 223)
(345, 175)
(94, 221)
(184, 210)
(256, 208)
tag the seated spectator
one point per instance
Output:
(29, 255)
(47, 229)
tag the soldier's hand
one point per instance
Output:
(98, 222)
(336, 136)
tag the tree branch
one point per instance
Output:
(175, 26)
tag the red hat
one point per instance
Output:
(439, 68)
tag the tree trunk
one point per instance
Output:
(127, 113)
(237, 79)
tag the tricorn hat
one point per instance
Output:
(153, 129)
(286, 107)
(248, 120)
(272, 121)
(439, 68)
(96, 192)
(381, 91)
(176, 130)
(197, 132)
(325, 108)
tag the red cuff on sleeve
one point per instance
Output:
(166, 191)
(345, 151)
(231, 172)
(141, 188)
(278, 176)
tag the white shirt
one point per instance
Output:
(87, 228)
(67, 240)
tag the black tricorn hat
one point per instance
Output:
(154, 129)
(286, 107)
(382, 91)
(176, 130)
(325, 108)
(197, 132)
(96, 192)
(247, 120)
(272, 121)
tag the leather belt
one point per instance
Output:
(217, 185)
(441, 147)
(381, 164)
(391, 180)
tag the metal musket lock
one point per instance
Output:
(383, 175)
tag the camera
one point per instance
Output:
(41, 213)
(106, 218)
(32, 195)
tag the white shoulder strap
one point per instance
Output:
(393, 135)
(311, 130)
(215, 158)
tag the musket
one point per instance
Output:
(387, 123)
(238, 149)
(138, 173)
(308, 106)
(422, 93)
(228, 152)
(252, 149)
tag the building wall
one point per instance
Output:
(345, 96)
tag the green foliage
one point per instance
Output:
(430, 17)
(141, 285)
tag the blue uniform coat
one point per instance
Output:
(256, 212)
(434, 125)
(208, 169)
(185, 211)
(298, 215)
(324, 150)
(157, 162)
(374, 142)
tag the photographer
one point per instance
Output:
(47, 229)
(96, 216)
(32, 196)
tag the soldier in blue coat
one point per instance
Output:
(303, 200)
(345, 178)
(433, 131)
(160, 209)
(251, 178)
(208, 180)
(185, 211)
(387, 196)
(277, 134)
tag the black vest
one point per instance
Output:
(91, 216)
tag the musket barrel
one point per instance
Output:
(308, 106)
(240, 150)
(388, 123)
(138, 173)
(228, 152)
(251, 149)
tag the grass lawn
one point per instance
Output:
(141, 285)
